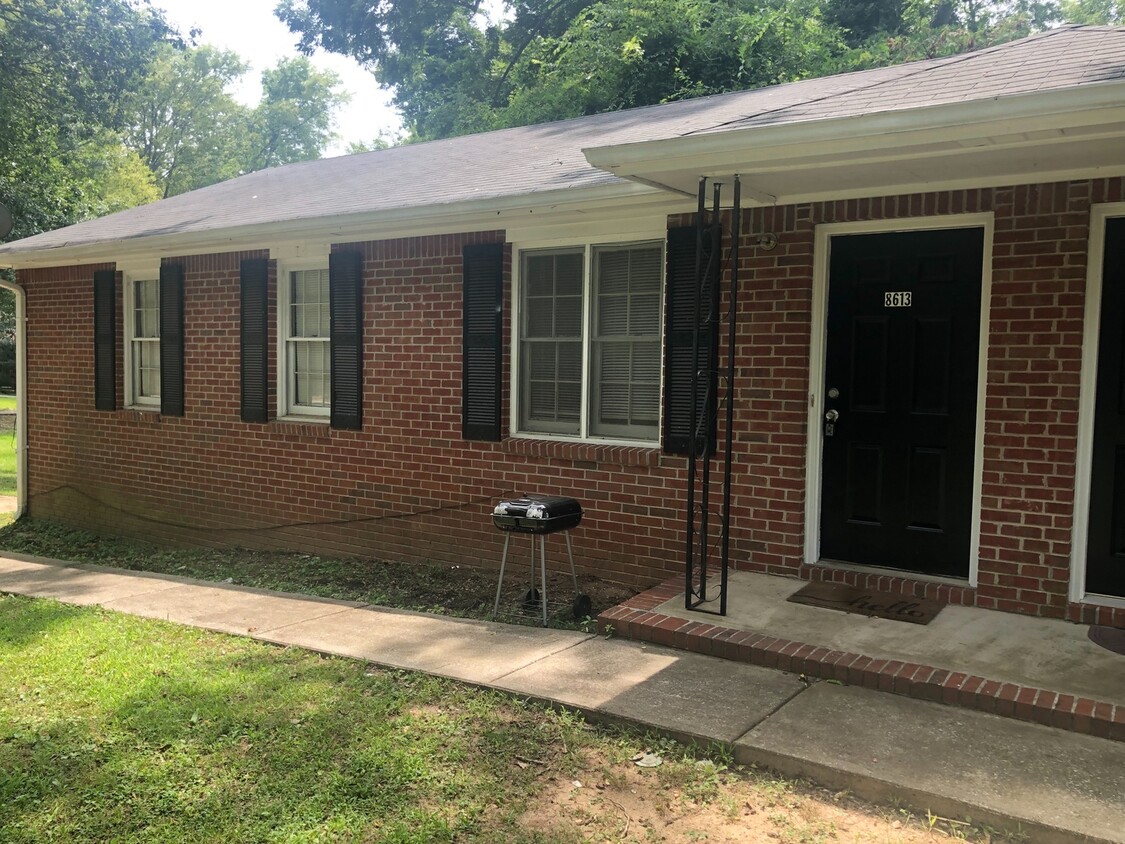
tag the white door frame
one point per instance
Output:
(21, 395)
(1099, 216)
(817, 349)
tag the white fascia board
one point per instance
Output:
(868, 134)
(587, 203)
(946, 184)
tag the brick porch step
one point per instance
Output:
(638, 619)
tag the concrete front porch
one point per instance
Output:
(1032, 669)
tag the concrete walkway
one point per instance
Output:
(1053, 785)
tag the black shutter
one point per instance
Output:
(105, 340)
(481, 351)
(172, 340)
(679, 315)
(254, 333)
(345, 293)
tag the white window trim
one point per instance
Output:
(284, 410)
(588, 246)
(129, 276)
(1100, 215)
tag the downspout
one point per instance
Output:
(21, 395)
(21, 400)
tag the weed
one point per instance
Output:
(442, 589)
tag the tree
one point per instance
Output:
(448, 66)
(185, 123)
(1094, 11)
(191, 132)
(293, 122)
(66, 67)
(453, 71)
(616, 56)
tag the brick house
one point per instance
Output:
(360, 355)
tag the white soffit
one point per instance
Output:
(1061, 134)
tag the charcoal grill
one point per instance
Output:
(538, 516)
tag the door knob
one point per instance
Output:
(832, 415)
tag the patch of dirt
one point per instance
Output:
(691, 801)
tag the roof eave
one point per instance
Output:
(473, 215)
(893, 134)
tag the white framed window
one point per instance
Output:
(142, 339)
(305, 321)
(589, 350)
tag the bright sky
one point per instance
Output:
(249, 28)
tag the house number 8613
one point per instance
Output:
(897, 300)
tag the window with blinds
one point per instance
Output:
(307, 342)
(625, 387)
(589, 342)
(144, 342)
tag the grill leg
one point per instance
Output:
(570, 553)
(532, 538)
(500, 584)
(543, 570)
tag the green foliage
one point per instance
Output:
(7, 461)
(617, 56)
(1094, 11)
(454, 71)
(67, 66)
(119, 729)
(191, 132)
(185, 124)
(293, 122)
(103, 107)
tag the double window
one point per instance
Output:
(306, 326)
(143, 321)
(589, 355)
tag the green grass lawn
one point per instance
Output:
(7, 462)
(7, 402)
(119, 729)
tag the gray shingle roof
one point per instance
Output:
(531, 160)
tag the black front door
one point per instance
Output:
(1105, 554)
(901, 382)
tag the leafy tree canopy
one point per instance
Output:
(191, 132)
(453, 70)
(103, 106)
(66, 67)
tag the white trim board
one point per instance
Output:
(1080, 523)
(814, 444)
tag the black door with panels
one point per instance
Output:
(1105, 554)
(898, 417)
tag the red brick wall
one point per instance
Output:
(1033, 373)
(405, 487)
(408, 487)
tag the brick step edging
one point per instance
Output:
(636, 619)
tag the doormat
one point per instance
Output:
(869, 602)
(1110, 638)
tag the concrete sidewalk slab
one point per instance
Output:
(473, 651)
(229, 609)
(74, 585)
(1058, 786)
(693, 697)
